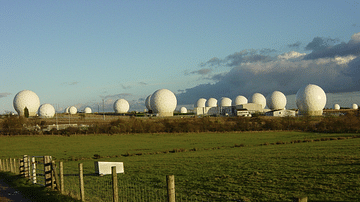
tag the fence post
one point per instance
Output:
(170, 180)
(21, 166)
(25, 166)
(0, 164)
(115, 184)
(11, 165)
(29, 167)
(7, 165)
(33, 170)
(300, 199)
(81, 178)
(15, 170)
(57, 183)
(47, 170)
(62, 177)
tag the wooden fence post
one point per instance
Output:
(300, 199)
(0, 164)
(81, 182)
(21, 167)
(115, 184)
(7, 165)
(25, 166)
(33, 170)
(62, 177)
(170, 180)
(29, 167)
(11, 165)
(47, 170)
(15, 167)
(57, 182)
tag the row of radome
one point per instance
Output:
(310, 99)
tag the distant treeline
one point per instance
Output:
(349, 123)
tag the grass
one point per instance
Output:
(33, 192)
(230, 165)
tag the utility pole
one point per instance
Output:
(103, 108)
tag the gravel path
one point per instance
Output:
(8, 194)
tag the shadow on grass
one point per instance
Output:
(35, 193)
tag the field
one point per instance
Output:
(253, 166)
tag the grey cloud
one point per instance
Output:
(320, 43)
(143, 83)
(212, 62)
(4, 94)
(285, 76)
(204, 71)
(243, 56)
(253, 72)
(246, 56)
(322, 49)
(295, 45)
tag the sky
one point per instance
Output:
(86, 53)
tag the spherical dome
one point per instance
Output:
(336, 106)
(258, 98)
(276, 100)
(212, 102)
(183, 110)
(46, 111)
(354, 106)
(87, 110)
(311, 99)
(72, 110)
(66, 110)
(147, 103)
(240, 100)
(225, 102)
(163, 101)
(121, 106)
(201, 102)
(28, 99)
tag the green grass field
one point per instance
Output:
(247, 165)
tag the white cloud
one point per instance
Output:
(290, 55)
(355, 37)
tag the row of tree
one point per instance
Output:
(349, 123)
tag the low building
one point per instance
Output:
(281, 113)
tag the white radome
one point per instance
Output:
(121, 106)
(72, 110)
(163, 102)
(354, 106)
(212, 102)
(311, 100)
(225, 102)
(46, 111)
(28, 99)
(87, 110)
(147, 103)
(336, 106)
(258, 98)
(240, 100)
(66, 110)
(183, 110)
(201, 102)
(276, 100)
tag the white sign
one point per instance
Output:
(104, 168)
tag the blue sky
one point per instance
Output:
(80, 52)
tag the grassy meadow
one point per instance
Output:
(252, 166)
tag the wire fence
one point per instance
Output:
(93, 187)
